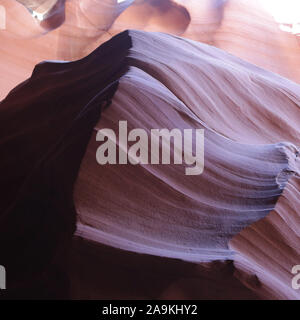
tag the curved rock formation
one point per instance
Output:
(243, 208)
(192, 218)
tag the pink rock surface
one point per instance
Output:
(235, 226)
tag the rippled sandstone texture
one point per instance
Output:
(232, 232)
